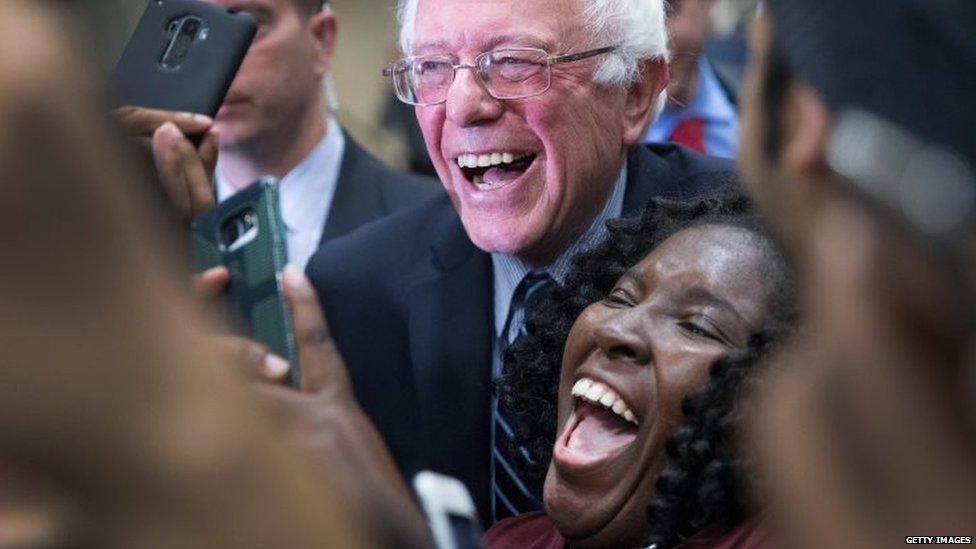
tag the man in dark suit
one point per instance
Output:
(367, 189)
(274, 121)
(535, 152)
(413, 318)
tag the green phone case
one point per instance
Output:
(255, 263)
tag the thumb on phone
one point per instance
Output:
(322, 367)
(210, 283)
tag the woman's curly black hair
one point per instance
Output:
(699, 486)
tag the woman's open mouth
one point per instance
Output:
(600, 428)
(491, 171)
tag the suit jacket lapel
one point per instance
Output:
(357, 196)
(451, 345)
(648, 175)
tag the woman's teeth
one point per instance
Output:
(488, 160)
(599, 393)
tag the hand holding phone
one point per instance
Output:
(185, 169)
(323, 414)
(170, 82)
(245, 233)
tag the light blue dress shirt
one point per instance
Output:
(711, 104)
(305, 194)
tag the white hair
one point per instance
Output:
(636, 27)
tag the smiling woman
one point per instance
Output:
(681, 301)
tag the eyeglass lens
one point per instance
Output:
(506, 74)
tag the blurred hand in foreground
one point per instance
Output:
(322, 417)
(185, 170)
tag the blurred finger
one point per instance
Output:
(282, 403)
(246, 355)
(274, 369)
(207, 151)
(843, 243)
(144, 122)
(321, 364)
(199, 175)
(211, 283)
(254, 360)
(170, 158)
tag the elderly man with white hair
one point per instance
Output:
(531, 111)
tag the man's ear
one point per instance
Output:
(806, 129)
(642, 99)
(322, 26)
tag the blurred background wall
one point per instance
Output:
(366, 43)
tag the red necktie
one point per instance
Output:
(690, 132)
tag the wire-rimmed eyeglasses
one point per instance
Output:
(510, 73)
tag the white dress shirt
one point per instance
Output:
(305, 194)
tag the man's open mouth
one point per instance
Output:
(491, 171)
(601, 426)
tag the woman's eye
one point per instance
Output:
(698, 330)
(619, 297)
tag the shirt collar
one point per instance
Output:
(510, 270)
(302, 189)
(710, 103)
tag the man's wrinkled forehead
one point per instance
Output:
(474, 26)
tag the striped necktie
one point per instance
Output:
(510, 493)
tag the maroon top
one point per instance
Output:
(749, 535)
(535, 531)
(529, 531)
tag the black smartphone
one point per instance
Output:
(246, 234)
(183, 56)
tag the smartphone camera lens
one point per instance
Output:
(238, 229)
(191, 26)
(184, 32)
(230, 232)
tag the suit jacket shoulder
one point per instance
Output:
(374, 285)
(672, 171)
(367, 190)
(399, 243)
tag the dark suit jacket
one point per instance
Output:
(367, 190)
(409, 300)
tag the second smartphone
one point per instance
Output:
(245, 233)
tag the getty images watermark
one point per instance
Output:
(934, 540)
